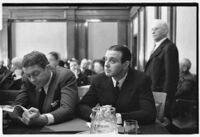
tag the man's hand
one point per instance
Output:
(32, 117)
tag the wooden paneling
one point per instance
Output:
(134, 11)
(82, 40)
(38, 14)
(70, 39)
(103, 14)
(76, 16)
(122, 33)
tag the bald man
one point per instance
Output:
(186, 84)
(13, 77)
(163, 66)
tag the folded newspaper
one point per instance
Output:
(18, 109)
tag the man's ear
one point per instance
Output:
(126, 64)
(48, 67)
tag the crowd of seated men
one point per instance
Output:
(49, 92)
(12, 78)
(48, 85)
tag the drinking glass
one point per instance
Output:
(130, 127)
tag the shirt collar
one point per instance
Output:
(47, 85)
(159, 42)
(121, 81)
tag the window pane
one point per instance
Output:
(29, 36)
(141, 43)
(135, 26)
(150, 16)
(164, 13)
(100, 37)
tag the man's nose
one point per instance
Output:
(152, 31)
(32, 79)
(106, 64)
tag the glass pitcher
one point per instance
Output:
(103, 120)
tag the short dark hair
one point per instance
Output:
(61, 63)
(74, 60)
(126, 54)
(54, 54)
(35, 58)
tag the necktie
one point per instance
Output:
(116, 90)
(41, 99)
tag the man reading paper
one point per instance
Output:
(49, 94)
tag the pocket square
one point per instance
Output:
(55, 103)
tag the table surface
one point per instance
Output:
(76, 125)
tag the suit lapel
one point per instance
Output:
(50, 94)
(109, 89)
(157, 51)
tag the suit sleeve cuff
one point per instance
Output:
(50, 118)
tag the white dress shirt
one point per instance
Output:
(158, 43)
(121, 81)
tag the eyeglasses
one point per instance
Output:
(33, 74)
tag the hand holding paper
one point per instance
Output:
(32, 117)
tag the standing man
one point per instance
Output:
(125, 89)
(49, 94)
(163, 66)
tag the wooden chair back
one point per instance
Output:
(160, 99)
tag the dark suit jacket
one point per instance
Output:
(82, 79)
(8, 82)
(135, 99)
(61, 98)
(163, 68)
(3, 70)
(186, 86)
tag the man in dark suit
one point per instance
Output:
(163, 66)
(125, 89)
(49, 94)
(81, 78)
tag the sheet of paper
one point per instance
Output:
(74, 125)
(7, 108)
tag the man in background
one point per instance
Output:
(49, 94)
(98, 66)
(84, 66)
(81, 78)
(3, 69)
(13, 77)
(53, 58)
(185, 107)
(187, 82)
(163, 66)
